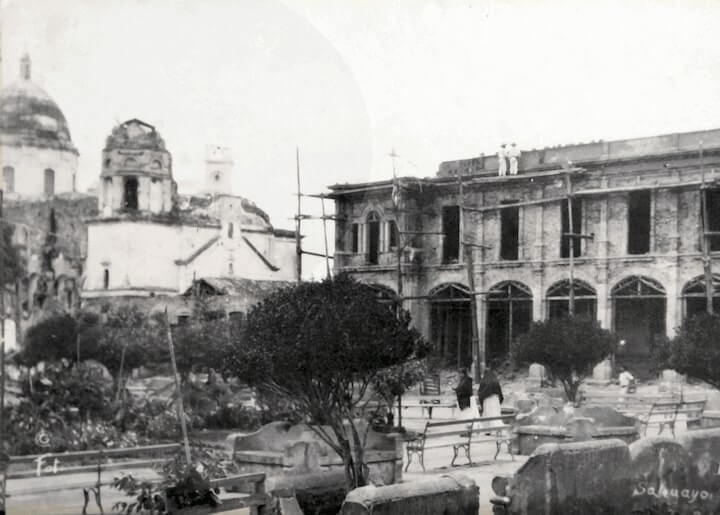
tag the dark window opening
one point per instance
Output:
(392, 235)
(451, 234)
(131, 193)
(355, 238)
(230, 230)
(509, 231)
(183, 319)
(49, 182)
(106, 279)
(69, 298)
(639, 222)
(9, 179)
(373, 238)
(712, 203)
(565, 226)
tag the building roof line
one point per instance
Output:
(199, 251)
(260, 255)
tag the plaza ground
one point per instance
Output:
(62, 494)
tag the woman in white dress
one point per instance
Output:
(466, 401)
(490, 397)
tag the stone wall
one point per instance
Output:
(279, 448)
(449, 494)
(652, 475)
(674, 258)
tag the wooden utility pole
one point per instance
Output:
(401, 242)
(178, 392)
(571, 244)
(478, 350)
(298, 242)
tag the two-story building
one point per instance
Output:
(638, 268)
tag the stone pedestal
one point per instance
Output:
(602, 374)
(536, 375)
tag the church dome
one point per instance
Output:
(29, 117)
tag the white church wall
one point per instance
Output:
(30, 163)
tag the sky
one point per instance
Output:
(348, 81)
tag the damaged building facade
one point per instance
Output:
(135, 239)
(638, 268)
(39, 167)
(149, 243)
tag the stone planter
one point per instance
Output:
(546, 425)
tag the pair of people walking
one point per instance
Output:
(489, 396)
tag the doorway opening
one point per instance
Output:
(639, 305)
(373, 221)
(451, 323)
(509, 314)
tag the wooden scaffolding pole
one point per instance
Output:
(706, 245)
(298, 238)
(571, 242)
(478, 349)
(178, 392)
(324, 221)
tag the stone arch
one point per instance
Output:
(450, 323)
(509, 314)
(694, 299)
(639, 306)
(557, 298)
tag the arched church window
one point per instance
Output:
(156, 165)
(9, 179)
(106, 279)
(49, 181)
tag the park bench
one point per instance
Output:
(627, 404)
(460, 435)
(427, 403)
(665, 414)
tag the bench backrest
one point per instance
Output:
(693, 410)
(430, 385)
(663, 411)
(462, 427)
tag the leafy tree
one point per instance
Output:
(203, 343)
(127, 339)
(321, 346)
(567, 347)
(694, 350)
(51, 339)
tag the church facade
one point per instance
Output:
(148, 241)
(136, 239)
(637, 267)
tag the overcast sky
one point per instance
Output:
(349, 80)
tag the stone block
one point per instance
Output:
(672, 377)
(536, 373)
(603, 371)
(558, 479)
(449, 494)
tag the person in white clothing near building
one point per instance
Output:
(626, 380)
(502, 161)
(513, 154)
